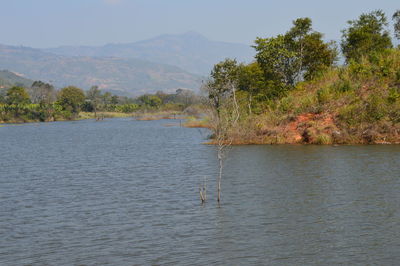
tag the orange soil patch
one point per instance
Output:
(295, 129)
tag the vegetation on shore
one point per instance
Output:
(294, 92)
(41, 102)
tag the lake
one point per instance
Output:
(125, 192)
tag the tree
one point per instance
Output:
(71, 98)
(114, 99)
(278, 61)
(17, 95)
(224, 76)
(94, 96)
(106, 98)
(297, 55)
(396, 18)
(3, 96)
(251, 79)
(221, 89)
(366, 35)
(42, 93)
(150, 100)
(318, 55)
(185, 97)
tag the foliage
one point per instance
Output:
(17, 95)
(396, 18)
(300, 54)
(127, 108)
(71, 99)
(93, 96)
(366, 35)
(224, 77)
(42, 93)
(149, 100)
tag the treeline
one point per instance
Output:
(294, 91)
(42, 102)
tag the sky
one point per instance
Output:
(51, 23)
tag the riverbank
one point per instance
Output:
(191, 120)
(355, 104)
(81, 116)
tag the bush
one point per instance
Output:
(323, 139)
(376, 108)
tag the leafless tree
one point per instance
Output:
(224, 113)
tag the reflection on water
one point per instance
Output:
(123, 192)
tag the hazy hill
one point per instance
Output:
(126, 76)
(190, 51)
(9, 79)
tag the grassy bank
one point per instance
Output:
(355, 104)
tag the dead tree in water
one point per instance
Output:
(224, 109)
(203, 191)
(223, 139)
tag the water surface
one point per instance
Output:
(124, 192)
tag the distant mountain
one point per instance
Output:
(9, 79)
(190, 51)
(125, 76)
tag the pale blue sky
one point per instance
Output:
(48, 23)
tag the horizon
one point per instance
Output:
(46, 24)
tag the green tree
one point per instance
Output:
(149, 100)
(106, 98)
(3, 96)
(396, 19)
(297, 55)
(114, 100)
(94, 96)
(366, 35)
(279, 63)
(313, 54)
(251, 79)
(17, 95)
(71, 99)
(224, 77)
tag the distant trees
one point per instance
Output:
(149, 100)
(71, 99)
(42, 93)
(94, 96)
(366, 35)
(396, 19)
(41, 102)
(224, 79)
(17, 95)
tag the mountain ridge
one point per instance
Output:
(126, 76)
(190, 51)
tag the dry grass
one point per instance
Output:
(90, 115)
(194, 122)
(159, 116)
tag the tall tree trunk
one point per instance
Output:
(220, 159)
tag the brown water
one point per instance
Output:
(123, 192)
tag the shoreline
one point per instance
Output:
(195, 122)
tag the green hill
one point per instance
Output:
(9, 79)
